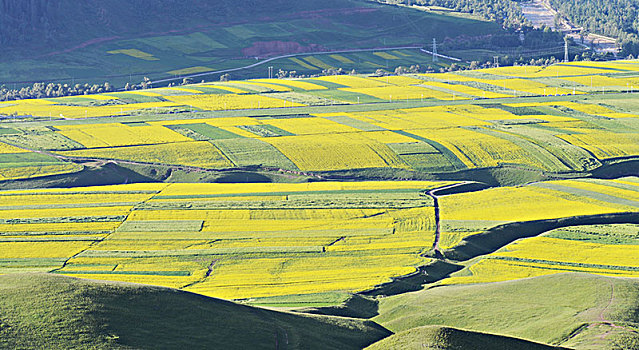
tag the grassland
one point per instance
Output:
(569, 309)
(207, 37)
(100, 315)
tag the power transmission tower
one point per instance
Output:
(270, 72)
(434, 50)
(496, 61)
(566, 57)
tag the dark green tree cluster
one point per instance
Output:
(615, 18)
(42, 90)
(505, 12)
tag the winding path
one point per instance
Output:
(433, 194)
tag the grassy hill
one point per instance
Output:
(447, 338)
(55, 312)
(121, 41)
(574, 310)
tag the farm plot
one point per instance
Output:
(232, 240)
(609, 250)
(466, 214)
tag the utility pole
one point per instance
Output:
(434, 50)
(270, 72)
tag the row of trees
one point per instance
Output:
(505, 12)
(48, 90)
(615, 18)
(42, 90)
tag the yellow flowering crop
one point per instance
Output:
(215, 102)
(304, 85)
(111, 135)
(6, 148)
(402, 93)
(352, 81)
(605, 144)
(520, 204)
(197, 153)
(334, 152)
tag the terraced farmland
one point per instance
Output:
(224, 240)
(325, 194)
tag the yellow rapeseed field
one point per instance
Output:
(334, 152)
(229, 101)
(113, 135)
(520, 204)
(197, 153)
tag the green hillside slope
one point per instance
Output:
(121, 41)
(447, 338)
(39, 311)
(573, 310)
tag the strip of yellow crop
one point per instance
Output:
(387, 137)
(332, 152)
(317, 62)
(520, 204)
(293, 83)
(182, 89)
(495, 270)
(302, 63)
(557, 70)
(604, 144)
(135, 53)
(476, 149)
(26, 172)
(310, 126)
(203, 188)
(402, 93)
(28, 107)
(106, 188)
(164, 281)
(226, 88)
(64, 212)
(385, 55)
(466, 90)
(300, 276)
(341, 59)
(218, 122)
(226, 102)
(399, 80)
(75, 198)
(448, 77)
(112, 135)
(142, 93)
(352, 81)
(417, 118)
(273, 87)
(198, 153)
(97, 97)
(560, 250)
(221, 199)
(60, 227)
(600, 187)
(6, 149)
(25, 250)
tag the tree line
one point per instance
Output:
(615, 18)
(505, 12)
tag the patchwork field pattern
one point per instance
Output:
(226, 240)
(610, 250)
